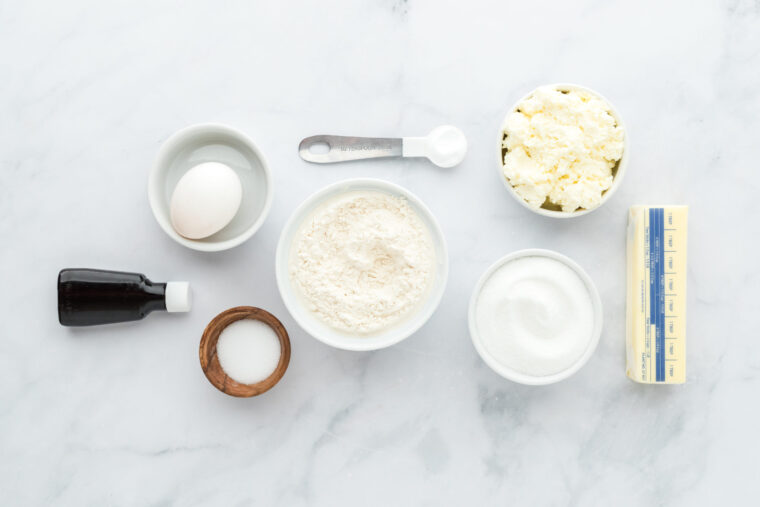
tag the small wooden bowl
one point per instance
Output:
(210, 362)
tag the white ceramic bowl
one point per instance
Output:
(212, 143)
(340, 339)
(510, 373)
(618, 173)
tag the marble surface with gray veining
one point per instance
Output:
(123, 415)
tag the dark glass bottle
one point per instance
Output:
(87, 297)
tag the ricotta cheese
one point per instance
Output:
(561, 147)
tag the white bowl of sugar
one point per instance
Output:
(535, 317)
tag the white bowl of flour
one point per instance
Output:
(362, 264)
(535, 317)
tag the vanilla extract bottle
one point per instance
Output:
(89, 297)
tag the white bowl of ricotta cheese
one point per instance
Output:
(563, 150)
(361, 264)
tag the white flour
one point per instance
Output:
(363, 261)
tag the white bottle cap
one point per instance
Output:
(177, 297)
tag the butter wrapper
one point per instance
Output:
(656, 297)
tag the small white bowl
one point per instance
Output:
(618, 174)
(510, 373)
(341, 339)
(212, 142)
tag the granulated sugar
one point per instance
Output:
(535, 315)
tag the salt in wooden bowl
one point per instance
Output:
(210, 362)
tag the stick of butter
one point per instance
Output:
(656, 298)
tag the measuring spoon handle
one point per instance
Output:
(342, 148)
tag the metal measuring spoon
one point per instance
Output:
(445, 146)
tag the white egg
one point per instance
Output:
(205, 200)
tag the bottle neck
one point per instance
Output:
(155, 296)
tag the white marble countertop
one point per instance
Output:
(123, 415)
